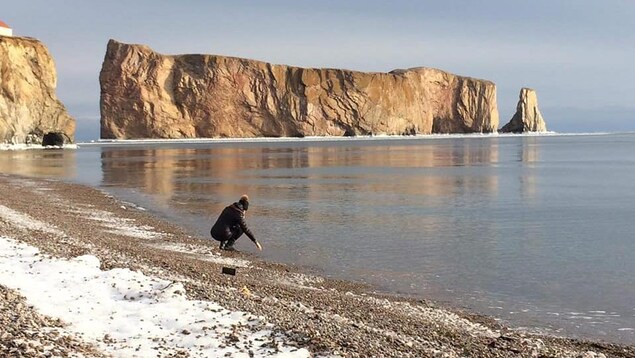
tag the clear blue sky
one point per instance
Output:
(578, 55)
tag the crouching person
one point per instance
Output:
(231, 224)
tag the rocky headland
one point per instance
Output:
(527, 117)
(29, 109)
(145, 94)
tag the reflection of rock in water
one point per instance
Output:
(39, 162)
(529, 155)
(215, 172)
(308, 174)
(529, 151)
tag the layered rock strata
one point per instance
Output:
(148, 95)
(527, 117)
(29, 108)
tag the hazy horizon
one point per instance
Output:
(577, 56)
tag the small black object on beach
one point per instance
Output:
(229, 271)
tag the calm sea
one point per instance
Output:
(535, 230)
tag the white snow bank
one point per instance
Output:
(128, 314)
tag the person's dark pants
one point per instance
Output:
(228, 244)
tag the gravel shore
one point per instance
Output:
(328, 317)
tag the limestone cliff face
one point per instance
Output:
(148, 95)
(29, 109)
(527, 117)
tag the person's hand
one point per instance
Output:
(258, 246)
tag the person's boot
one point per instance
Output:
(229, 245)
(222, 245)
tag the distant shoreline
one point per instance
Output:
(310, 139)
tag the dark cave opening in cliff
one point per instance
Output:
(53, 139)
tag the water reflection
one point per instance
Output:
(407, 169)
(58, 163)
(311, 201)
(529, 155)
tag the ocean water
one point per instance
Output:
(537, 231)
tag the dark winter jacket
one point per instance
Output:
(232, 216)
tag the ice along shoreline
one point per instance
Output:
(318, 139)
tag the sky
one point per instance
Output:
(578, 55)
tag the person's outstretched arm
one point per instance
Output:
(243, 225)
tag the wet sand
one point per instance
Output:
(328, 317)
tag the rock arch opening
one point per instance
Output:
(53, 139)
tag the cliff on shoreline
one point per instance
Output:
(145, 94)
(29, 109)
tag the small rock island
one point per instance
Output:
(527, 117)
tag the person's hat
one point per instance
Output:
(244, 200)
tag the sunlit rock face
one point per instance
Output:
(527, 117)
(29, 108)
(148, 95)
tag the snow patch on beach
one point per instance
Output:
(129, 314)
(300, 280)
(116, 225)
(26, 222)
(203, 253)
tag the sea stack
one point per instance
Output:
(29, 108)
(527, 117)
(145, 94)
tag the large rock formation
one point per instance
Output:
(29, 108)
(148, 95)
(527, 117)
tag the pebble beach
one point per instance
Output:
(86, 274)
